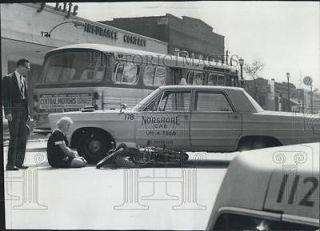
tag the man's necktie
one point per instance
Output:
(22, 86)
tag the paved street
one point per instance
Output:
(87, 198)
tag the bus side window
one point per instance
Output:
(148, 75)
(216, 80)
(176, 76)
(154, 76)
(221, 80)
(118, 73)
(212, 79)
(190, 77)
(228, 80)
(198, 78)
(160, 76)
(126, 73)
(234, 80)
(115, 68)
(130, 74)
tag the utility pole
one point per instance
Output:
(289, 102)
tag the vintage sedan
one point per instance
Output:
(189, 118)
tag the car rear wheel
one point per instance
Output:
(257, 144)
(251, 144)
(245, 146)
(94, 146)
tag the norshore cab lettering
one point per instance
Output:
(160, 122)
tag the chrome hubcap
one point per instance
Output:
(95, 146)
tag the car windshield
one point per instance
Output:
(74, 66)
(254, 103)
(142, 103)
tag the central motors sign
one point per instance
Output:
(53, 101)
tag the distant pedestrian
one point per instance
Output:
(183, 81)
(16, 110)
(58, 152)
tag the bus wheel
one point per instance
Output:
(94, 146)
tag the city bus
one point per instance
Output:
(103, 76)
(270, 189)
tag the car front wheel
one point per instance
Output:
(94, 146)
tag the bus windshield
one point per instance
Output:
(74, 66)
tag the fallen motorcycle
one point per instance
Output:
(124, 156)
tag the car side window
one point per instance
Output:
(212, 101)
(153, 106)
(229, 221)
(174, 101)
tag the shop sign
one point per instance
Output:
(66, 7)
(101, 31)
(72, 100)
(134, 40)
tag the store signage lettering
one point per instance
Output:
(66, 7)
(105, 32)
(134, 40)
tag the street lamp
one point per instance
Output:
(241, 62)
(289, 103)
(77, 24)
(308, 82)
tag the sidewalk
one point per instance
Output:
(33, 140)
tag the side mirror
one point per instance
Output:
(123, 106)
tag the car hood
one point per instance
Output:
(79, 116)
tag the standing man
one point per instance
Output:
(15, 103)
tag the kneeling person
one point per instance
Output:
(58, 152)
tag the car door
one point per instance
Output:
(214, 124)
(165, 121)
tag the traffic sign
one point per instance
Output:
(307, 80)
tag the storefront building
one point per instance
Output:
(273, 96)
(25, 27)
(182, 34)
